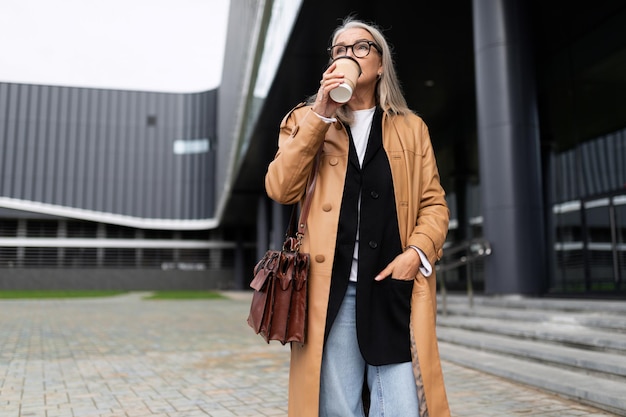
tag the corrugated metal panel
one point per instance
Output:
(108, 151)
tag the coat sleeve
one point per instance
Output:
(301, 134)
(431, 223)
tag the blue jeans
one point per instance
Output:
(392, 387)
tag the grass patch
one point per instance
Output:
(184, 295)
(13, 294)
(155, 295)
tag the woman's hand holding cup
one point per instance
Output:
(324, 105)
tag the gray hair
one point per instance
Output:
(389, 96)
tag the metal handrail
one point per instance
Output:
(469, 251)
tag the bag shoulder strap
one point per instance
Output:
(306, 205)
(297, 229)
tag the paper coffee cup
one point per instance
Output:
(351, 70)
(342, 93)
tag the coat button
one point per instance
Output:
(373, 244)
(326, 207)
(374, 194)
(333, 161)
(338, 126)
(320, 258)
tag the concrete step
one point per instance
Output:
(540, 304)
(608, 320)
(572, 348)
(608, 365)
(548, 331)
(600, 392)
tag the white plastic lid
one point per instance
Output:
(342, 93)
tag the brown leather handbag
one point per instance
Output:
(279, 304)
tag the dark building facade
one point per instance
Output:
(523, 99)
(524, 104)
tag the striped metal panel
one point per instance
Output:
(108, 151)
(595, 167)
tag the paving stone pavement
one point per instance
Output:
(125, 356)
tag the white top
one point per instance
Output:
(360, 128)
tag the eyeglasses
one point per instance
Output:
(360, 49)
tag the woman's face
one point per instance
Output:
(371, 64)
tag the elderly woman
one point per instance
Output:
(377, 224)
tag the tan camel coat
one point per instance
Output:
(422, 218)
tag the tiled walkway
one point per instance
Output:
(129, 357)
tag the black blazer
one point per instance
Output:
(382, 308)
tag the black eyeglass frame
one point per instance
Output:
(369, 49)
